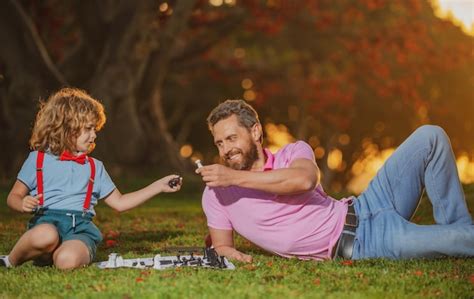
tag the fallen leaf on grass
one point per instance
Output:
(145, 273)
(317, 281)
(472, 278)
(270, 263)
(139, 279)
(68, 286)
(112, 234)
(418, 273)
(110, 243)
(347, 263)
(250, 267)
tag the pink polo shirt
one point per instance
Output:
(305, 225)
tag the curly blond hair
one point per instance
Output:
(61, 119)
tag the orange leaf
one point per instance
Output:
(317, 281)
(347, 263)
(139, 279)
(418, 273)
(145, 273)
(250, 267)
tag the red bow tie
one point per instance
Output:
(67, 156)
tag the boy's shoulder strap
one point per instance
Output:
(90, 185)
(39, 176)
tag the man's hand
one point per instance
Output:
(223, 243)
(29, 203)
(233, 254)
(242, 257)
(217, 175)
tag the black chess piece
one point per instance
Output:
(174, 182)
(222, 264)
(184, 260)
(212, 257)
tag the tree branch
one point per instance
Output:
(39, 43)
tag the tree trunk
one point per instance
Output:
(154, 81)
(24, 77)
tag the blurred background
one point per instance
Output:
(352, 78)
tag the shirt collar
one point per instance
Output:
(270, 158)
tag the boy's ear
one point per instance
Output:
(257, 132)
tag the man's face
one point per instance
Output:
(237, 148)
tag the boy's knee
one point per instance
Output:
(66, 259)
(45, 238)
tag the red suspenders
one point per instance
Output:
(39, 181)
(39, 176)
(90, 185)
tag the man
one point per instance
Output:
(276, 202)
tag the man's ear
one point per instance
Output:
(257, 132)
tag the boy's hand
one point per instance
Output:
(164, 183)
(29, 203)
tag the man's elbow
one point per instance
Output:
(308, 184)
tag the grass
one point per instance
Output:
(177, 219)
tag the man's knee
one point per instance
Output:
(44, 237)
(433, 134)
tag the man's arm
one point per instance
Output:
(302, 175)
(223, 242)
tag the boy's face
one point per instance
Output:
(85, 140)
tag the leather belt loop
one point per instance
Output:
(345, 243)
(351, 217)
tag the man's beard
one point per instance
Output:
(248, 158)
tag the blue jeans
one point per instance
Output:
(424, 160)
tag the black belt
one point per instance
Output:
(345, 244)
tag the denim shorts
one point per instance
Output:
(71, 225)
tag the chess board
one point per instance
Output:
(184, 257)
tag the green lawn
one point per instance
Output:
(177, 219)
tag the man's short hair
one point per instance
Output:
(245, 113)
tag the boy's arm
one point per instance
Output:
(123, 202)
(302, 175)
(223, 243)
(19, 200)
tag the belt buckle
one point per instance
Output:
(38, 211)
